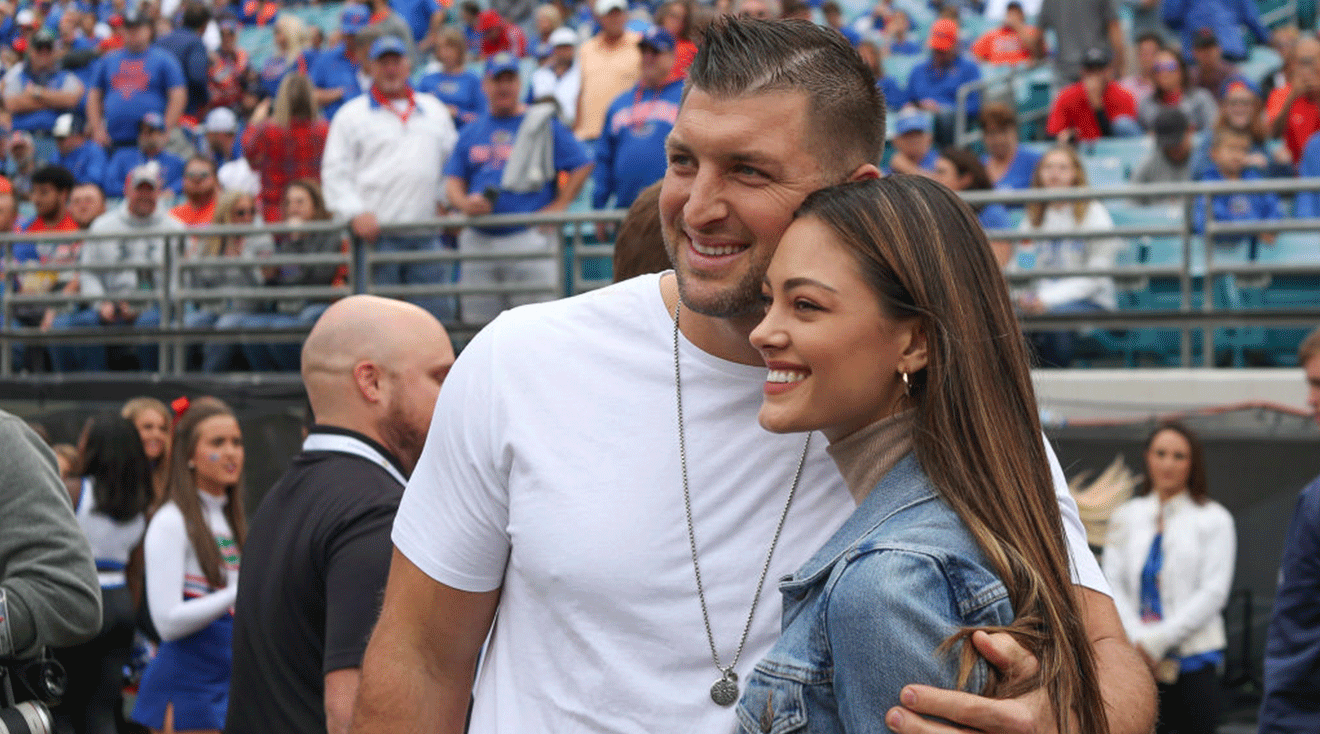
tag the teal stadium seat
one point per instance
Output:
(1105, 171)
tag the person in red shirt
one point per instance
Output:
(675, 16)
(1294, 110)
(1094, 107)
(50, 197)
(499, 36)
(1012, 43)
(289, 145)
(200, 189)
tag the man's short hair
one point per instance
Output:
(1152, 36)
(196, 16)
(198, 158)
(57, 176)
(1310, 348)
(747, 56)
(996, 116)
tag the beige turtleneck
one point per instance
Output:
(867, 455)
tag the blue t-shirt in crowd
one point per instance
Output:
(462, 90)
(126, 159)
(188, 49)
(1306, 204)
(927, 163)
(417, 13)
(1235, 207)
(1018, 175)
(895, 95)
(484, 147)
(928, 81)
(40, 120)
(134, 84)
(630, 153)
(994, 216)
(86, 162)
(906, 47)
(333, 70)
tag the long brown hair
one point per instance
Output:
(294, 100)
(183, 490)
(1036, 209)
(976, 433)
(1198, 481)
(160, 473)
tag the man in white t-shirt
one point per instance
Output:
(553, 479)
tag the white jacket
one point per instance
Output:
(1073, 254)
(1200, 545)
(375, 162)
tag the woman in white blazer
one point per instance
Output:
(1169, 556)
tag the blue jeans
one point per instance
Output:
(1056, 348)
(94, 357)
(215, 356)
(423, 273)
(285, 356)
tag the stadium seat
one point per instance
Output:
(1104, 171)
(1131, 151)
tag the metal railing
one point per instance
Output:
(1004, 76)
(572, 250)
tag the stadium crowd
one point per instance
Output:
(121, 116)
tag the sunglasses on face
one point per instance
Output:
(198, 175)
(243, 212)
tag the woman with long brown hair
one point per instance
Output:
(192, 553)
(1170, 554)
(889, 329)
(288, 145)
(152, 420)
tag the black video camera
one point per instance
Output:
(27, 687)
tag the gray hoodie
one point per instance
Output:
(126, 249)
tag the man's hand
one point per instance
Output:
(106, 311)
(1031, 713)
(475, 205)
(365, 226)
(101, 137)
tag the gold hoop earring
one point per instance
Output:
(907, 386)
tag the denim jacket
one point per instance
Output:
(864, 616)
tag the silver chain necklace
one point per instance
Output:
(725, 690)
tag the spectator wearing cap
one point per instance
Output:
(382, 164)
(76, 152)
(1222, 18)
(185, 44)
(291, 54)
(1241, 110)
(288, 145)
(229, 65)
(933, 84)
(609, 62)
(137, 214)
(1170, 160)
(476, 184)
(150, 147)
(1080, 25)
(560, 78)
(337, 74)
(20, 163)
(1212, 72)
(630, 153)
(132, 82)
(499, 36)
(456, 87)
(1013, 42)
(200, 191)
(37, 91)
(1174, 88)
(385, 22)
(1007, 163)
(1094, 107)
(223, 132)
(914, 150)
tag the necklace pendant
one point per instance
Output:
(725, 690)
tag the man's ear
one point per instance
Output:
(366, 375)
(864, 172)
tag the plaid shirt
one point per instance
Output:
(283, 155)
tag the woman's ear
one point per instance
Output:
(915, 356)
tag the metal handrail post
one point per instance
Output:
(1185, 280)
(359, 274)
(1208, 284)
(6, 344)
(170, 316)
(571, 287)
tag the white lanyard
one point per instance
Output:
(356, 447)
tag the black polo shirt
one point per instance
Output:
(314, 568)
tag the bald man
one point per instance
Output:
(318, 549)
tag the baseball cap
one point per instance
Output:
(388, 45)
(43, 38)
(1204, 38)
(943, 35)
(1170, 126)
(913, 121)
(659, 39)
(145, 173)
(221, 120)
(1095, 57)
(153, 120)
(355, 18)
(563, 36)
(25, 17)
(500, 63)
(488, 20)
(603, 7)
(67, 124)
(134, 17)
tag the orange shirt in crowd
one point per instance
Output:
(1303, 119)
(194, 216)
(1003, 46)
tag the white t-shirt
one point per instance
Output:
(552, 470)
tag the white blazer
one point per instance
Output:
(1200, 545)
